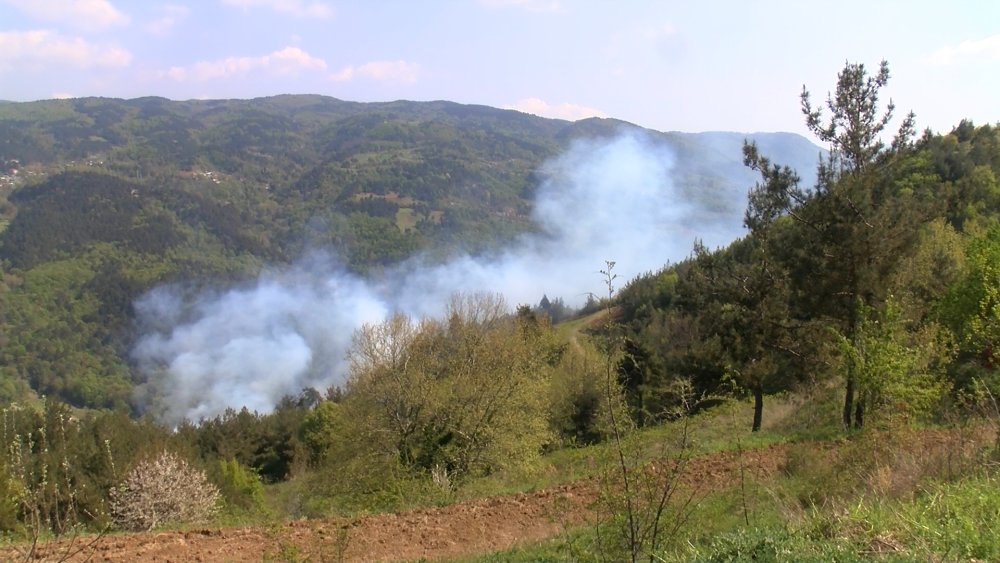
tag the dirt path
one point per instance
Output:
(579, 326)
(472, 527)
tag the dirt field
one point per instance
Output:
(479, 526)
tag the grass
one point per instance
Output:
(893, 493)
(879, 494)
(723, 428)
(838, 496)
(714, 430)
(571, 546)
(956, 521)
(570, 330)
(717, 511)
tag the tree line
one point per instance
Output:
(877, 277)
(428, 405)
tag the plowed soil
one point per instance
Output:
(479, 526)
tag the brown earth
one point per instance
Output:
(478, 526)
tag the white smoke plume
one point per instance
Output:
(608, 199)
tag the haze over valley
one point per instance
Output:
(328, 214)
(499, 280)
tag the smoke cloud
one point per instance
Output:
(608, 199)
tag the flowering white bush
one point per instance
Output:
(163, 490)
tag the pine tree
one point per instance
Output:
(855, 232)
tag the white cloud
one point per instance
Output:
(87, 15)
(172, 14)
(571, 112)
(48, 48)
(384, 71)
(527, 5)
(294, 7)
(288, 61)
(988, 48)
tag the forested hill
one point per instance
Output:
(882, 279)
(102, 199)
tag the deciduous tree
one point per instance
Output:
(466, 394)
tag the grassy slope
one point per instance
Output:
(902, 493)
(897, 494)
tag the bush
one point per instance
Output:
(241, 488)
(466, 394)
(163, 490)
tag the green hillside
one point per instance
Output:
(821, 386)
(103, 199)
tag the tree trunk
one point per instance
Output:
(848, 402)
(859, 413)
(758, 408)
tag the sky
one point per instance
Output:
(666, 65)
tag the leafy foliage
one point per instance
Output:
(888, 245)
(241, 488)
(466, 395)
(59, 467)
(896, 374)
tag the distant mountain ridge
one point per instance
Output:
(309, 169)
(76, 128)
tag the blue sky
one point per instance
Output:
(667, 65)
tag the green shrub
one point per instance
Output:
(240, 487)
(8, 502)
